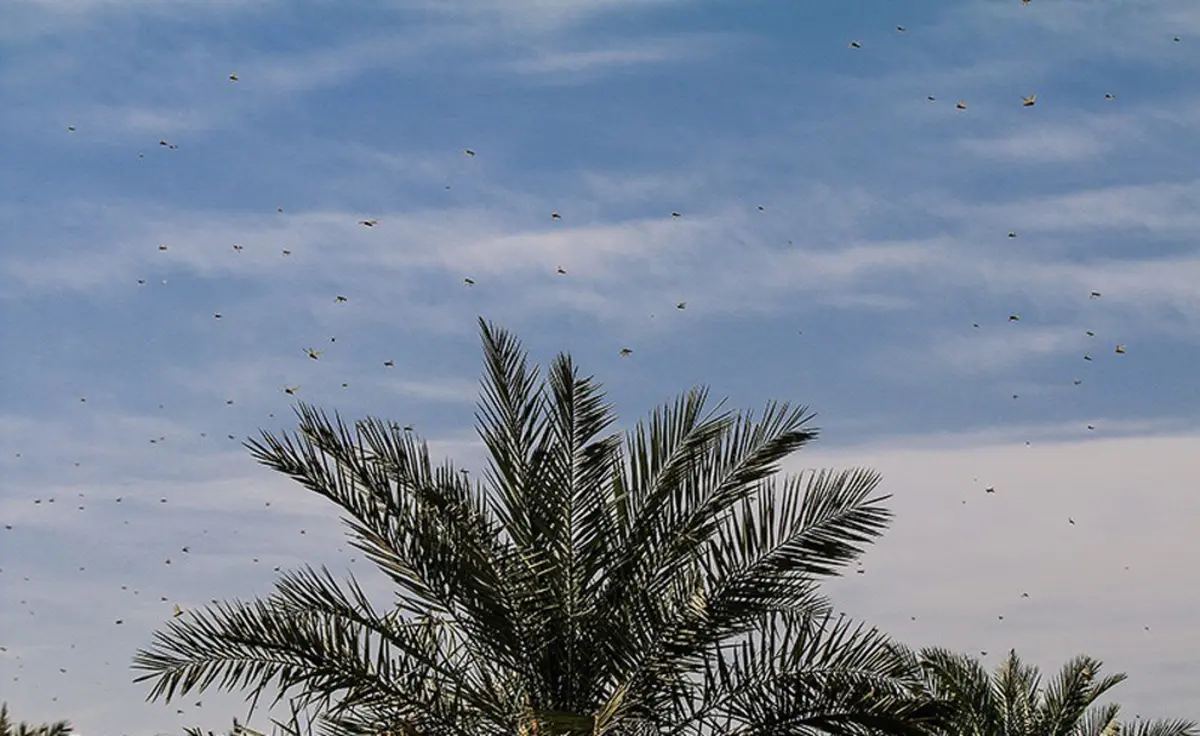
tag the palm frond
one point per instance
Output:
(963, 682)
(422, 526)
(1161, 727)
(568, 494)
(660, 453)
(768, 556)
(736, 461)
(1017, 687)
(510, 423)
(1069, 694)
(718, 463)
(1100, 720)
(332, 662)
(10, 728)
(811, 674)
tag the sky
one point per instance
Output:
(947, 288)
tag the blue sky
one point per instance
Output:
(840, 235)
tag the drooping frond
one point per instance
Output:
(801, 674)
(425, 527)
(328, 660)
(1161, 727)
(767, 556)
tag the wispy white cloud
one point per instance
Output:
(580, 64)
(549, 62)
(981, 352)
(527, 16)
(1161, 208)
(1054, 143)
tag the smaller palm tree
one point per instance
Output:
(11, 728)
(1013, 702)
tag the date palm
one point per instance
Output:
(10, 728)
(1012, 701)
(657, 583)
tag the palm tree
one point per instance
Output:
(1012, 701)
(9, 728)
(661, 585)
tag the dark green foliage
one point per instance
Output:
(657, 583)
(1013, 701)
(11, 728)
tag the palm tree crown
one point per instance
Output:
(1013, 702)
(656, 583)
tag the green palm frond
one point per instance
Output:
(769, 554)
(746, 453)
(763, 560)
(963, 682)
(1013, 701)
(425, 527)
(10, 728)
(336, 661)
(1069, 695)
(718, 463)
(1100, 720)
(1017, 687)
(1161, 727)
(571, 478)
(811, 674)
